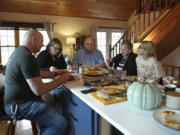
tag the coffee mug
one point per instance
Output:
(170, 87)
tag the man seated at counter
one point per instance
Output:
(89, 55)
(126, 61)
(24, 87)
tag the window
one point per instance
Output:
(107, 38)
(7, 42)
(11, 38)
(115, 37)
(46, 39)
(43, 32)
(101, 36)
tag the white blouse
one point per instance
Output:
(149, 70)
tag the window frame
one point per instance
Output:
(17, 26)
(109, 32)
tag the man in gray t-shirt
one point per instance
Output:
(24, 87)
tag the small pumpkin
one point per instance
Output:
(144, 95)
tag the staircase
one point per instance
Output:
(165, 34)
(154, 24)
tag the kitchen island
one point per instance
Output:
(127, 119)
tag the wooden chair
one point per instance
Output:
(12, 121)
(171, 70)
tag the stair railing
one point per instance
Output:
(153, 11)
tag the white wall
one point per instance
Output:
(173, 58)
(65, 26)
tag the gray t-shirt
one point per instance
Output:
(22, 65)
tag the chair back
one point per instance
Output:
(171, 70)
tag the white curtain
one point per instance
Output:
(94, 33)
(50, 29)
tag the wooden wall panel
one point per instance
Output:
(100, 9)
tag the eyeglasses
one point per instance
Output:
(89, 44)
(58, 49)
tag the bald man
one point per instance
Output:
(24, 87)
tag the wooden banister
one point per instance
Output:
(139, 27)
(172, 70)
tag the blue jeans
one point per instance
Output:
(60, 96)
(50, 121)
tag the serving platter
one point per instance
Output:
(174, 121)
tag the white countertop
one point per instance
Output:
(127, 119)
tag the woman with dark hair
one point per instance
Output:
(52, 59)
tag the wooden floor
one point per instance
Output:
(23, 127)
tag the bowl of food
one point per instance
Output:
(94, 72)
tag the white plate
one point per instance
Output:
(157, 116)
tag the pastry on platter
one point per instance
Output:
(120, 87)
(165, 114)
(115, 89)
(169, 119)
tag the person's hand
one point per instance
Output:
(61, 72)
(124, 72)
(65, 77)
(108, 62)
(53, 69)
(69, 67)
(168, 79)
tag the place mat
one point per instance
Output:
(107, 101)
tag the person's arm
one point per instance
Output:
(130, 65)
(101, 65)
(158, 69)
(45, 68)
(70, 67)
(39, 88)
(63, 62)
(47, 74)
(115, 60)
(100, 61)
(75, 59)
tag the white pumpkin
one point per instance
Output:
(144, 95)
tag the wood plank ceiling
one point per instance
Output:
(99, 9)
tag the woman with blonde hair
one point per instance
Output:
(148, 67)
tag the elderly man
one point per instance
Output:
(126, 61)
(89, 55)
(24, 87)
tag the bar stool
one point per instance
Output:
(12, 121)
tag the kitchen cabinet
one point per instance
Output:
(82, 119)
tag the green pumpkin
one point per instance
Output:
(144, 95)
